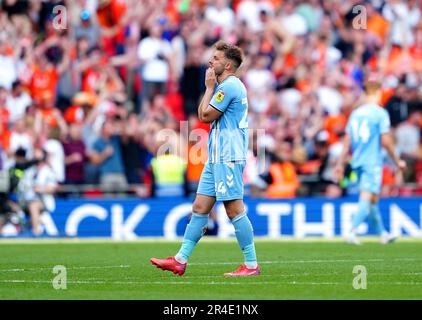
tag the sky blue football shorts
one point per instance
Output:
(222, 180)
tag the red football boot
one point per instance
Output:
(243, 271)
(170, 264)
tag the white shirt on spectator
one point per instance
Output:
(334, 153)
(8, 71)
(402, 21)
(17, 105)
(295, 24)
(223, 18)
(47, 178)
(407, 137)
(259, 82)
(154, 69)
(249, 11)
(21, 140)
(179, 52)
(38, 176)
(55, 158)
(289, 100)
(330, 99)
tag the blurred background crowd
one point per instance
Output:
(87, 87)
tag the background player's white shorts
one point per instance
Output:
(222, 180)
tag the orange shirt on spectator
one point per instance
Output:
(333, 125)
(4, 132)
(43, 81)
(378, 25)
(195, 166)
(90, 80)
(74, 114)
(48, 115)
(285, 181)
(108, 16)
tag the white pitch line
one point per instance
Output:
(204, 283)
(289, 261)
(171, 282)
(222, 263)
(312, 275)
(71, 268)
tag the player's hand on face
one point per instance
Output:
(210, 78)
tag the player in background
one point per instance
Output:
(367, 131)
(225, 106)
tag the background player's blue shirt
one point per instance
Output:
(228, 139)
(365, 126)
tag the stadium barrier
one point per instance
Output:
(125, 219)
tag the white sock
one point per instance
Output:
(180, 259)
(251, 264)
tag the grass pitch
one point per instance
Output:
(290, 270)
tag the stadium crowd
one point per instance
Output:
(87, 87)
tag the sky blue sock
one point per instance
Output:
(194, 231)
(376, 218)
(244, 234)
(362, 214)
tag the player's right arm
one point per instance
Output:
(206, 113)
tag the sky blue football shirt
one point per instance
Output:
(365, 126)
(228, 139)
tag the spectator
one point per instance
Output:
(403, 17)
(106, 154)
(75, 155)
(292, 21)
(21, 138)
(50, 142)
(87, 29)
(221, 16)
(280, 181)
(36, 192)
(408, 139)
(4, 116)
(169, 170)
(131, 150)
(249, 11)
(17, 101)
(397, 105)
(191, 86)
(260, 82)
(7, 64)
(154, 54)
